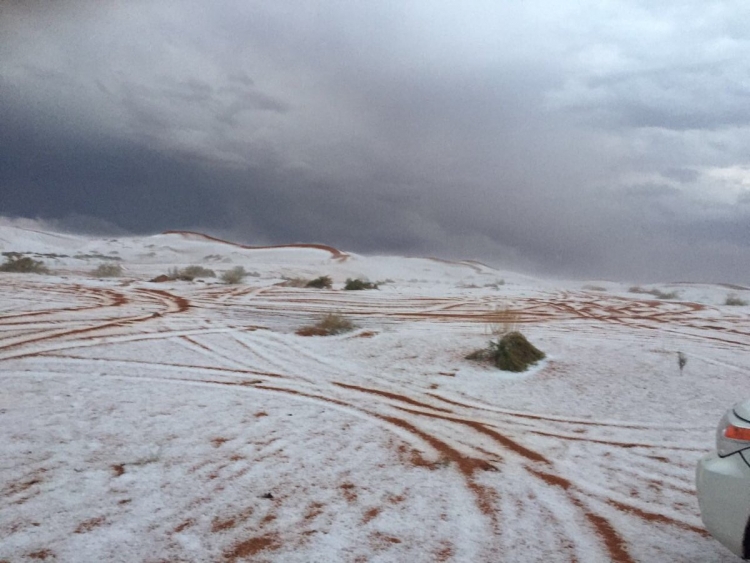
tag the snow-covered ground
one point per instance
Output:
(186, 421)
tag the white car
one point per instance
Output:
(723, 482)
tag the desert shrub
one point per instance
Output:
(323, 282)
(48, 255)
(189, 273)
(233, 276)
(107, 270)
(95, 256)
(480, 355)
(23, 265)
(358, 284)
(659, 294)
(735, 301)
(502, 321)
(495, 285)
(330, 324)
(596, 288)
(513, 352)
(172, 274)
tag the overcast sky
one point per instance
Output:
(587, 139)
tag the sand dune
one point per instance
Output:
(188, 422)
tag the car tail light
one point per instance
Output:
(732, 435)
(737, 433)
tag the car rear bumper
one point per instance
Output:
(723, 485)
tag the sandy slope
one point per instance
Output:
(187, 421)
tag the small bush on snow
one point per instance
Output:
(233, 276)
(108, 270)
(189, 273)
(513, 352)
(502, 321)
(659, 294)
(23, 265)
(323, 282)
(735, 301)
(359, 284)
(328, 325)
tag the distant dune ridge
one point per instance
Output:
(334, 251)
(191, 247)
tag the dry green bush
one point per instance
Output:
(23, 265)
(108, 270)
(502, 321)
(95, 256)
(659, 294)
(323, 282)
(234, 276)
(513, 352)
(330, 324)
(294, 282)
(595, 288)
(359, 284)
(735, 301)
(189, 273)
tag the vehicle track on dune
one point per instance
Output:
(100, 298)
(513, 465)
(684, 319)
(449, 449)
(111, 303)
(487, 500)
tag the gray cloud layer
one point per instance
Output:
(565, 138)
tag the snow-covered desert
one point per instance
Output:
(187, 421)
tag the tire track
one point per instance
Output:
(172, 304)
(481, 444)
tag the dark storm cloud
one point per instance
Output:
(62, 175)
(579, 139)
